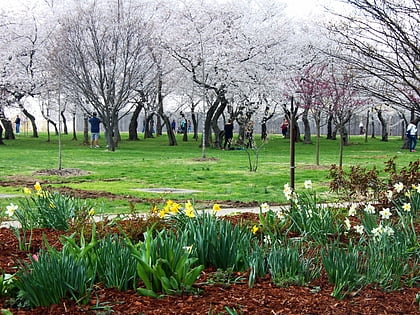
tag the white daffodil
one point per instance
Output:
(406, 207)
(370, 209)
(388, 231)
(359, 229)
(10, 209)
(265, 207)
(385, 213)
(307, 184)
(347, 223)
(399, 187)
(352, 210)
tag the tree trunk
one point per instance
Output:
(63, 119)
(307, 127)
(218, 113)
(8, 129)
(329, 128)
(86, 129)
(384, 125)
(31, 119)
(195, 124)
(1, 135)
(74, 127)
(132, 128)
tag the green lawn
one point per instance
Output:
(151, 163)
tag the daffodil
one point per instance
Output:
(347, 223)
(254, 229)
(378, 231)
(359, 229)
(389, 194)
(52, 205)
(287, 191)
(91, 212)
(155, 209)
(281, 215)
(265, 207)
(175, 207)
(417, 188)
(10, 209)
(37, 186)
(189, 206)
(188, 249)
(162, 213)
(216, 207)
(189, 213)
(406, 207)
(27, 191)
(353, 210)
(399, 187)
(407, 194)
(307, 184)
(370, 209)
(385, 213)
(388, 231)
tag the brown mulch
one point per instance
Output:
(263, 298)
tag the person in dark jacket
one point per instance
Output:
(228, 134)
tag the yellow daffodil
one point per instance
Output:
(162, 214)
(92, 212)
(407, 194)
(254, 229)
(175, 207)
(189, 213)
(189, 206)
(216, 207)
(37, 186)
(155, 209)
(27, 191)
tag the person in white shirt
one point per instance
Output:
(412, 136)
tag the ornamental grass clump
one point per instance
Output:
(116, 267)
(343, 268)
(291, 265)
(53, 276)
(390, 262)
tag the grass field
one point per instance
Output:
(151, 163)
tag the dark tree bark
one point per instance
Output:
(63, 119)
(86, 129)
(329, 127)
(1, 135)
(307, 128)
(8, 129)
(74, 127)
(132, 128)
(31, 119)
(384, 125)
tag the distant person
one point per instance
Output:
(284, 126)
(17, 123)
(362, 129)
(228, 129)
(173, 125)
(94, 131)
(412, 136)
